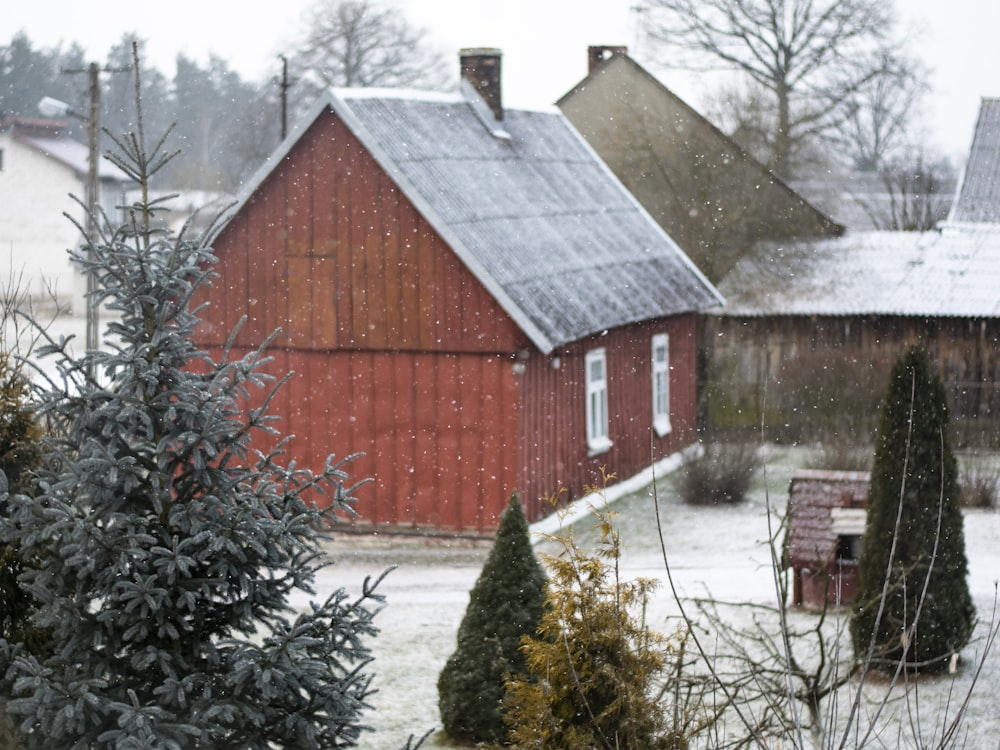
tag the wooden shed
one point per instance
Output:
(467, 296)
(826, 520)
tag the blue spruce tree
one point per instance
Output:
(162, 549)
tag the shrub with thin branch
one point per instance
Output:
(979, 483)
(721, 476)
(597, 675)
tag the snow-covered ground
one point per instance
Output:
(719, 549)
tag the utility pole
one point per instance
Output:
(54, 108)
(93, 158)
(284, 84)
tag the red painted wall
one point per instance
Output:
(554, 454)
(331, 252)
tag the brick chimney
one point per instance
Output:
(599, 54)
(481, 68)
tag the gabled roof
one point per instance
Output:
(978, 198)
(526, 204)
(950, 273)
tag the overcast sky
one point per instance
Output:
(544, 42)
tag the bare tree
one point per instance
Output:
(878, 113)
(364, 43)
(812, 57)
(916, 193)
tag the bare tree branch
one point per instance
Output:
(812, 57)
(365, 43)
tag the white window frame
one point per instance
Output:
(598, 440)
(660, 372)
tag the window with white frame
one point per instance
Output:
(597, 401)
(661, 384)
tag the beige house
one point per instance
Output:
(711, 196)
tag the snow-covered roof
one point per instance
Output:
(951, 273)
(978, 198)
(74, 155)
(529, 208)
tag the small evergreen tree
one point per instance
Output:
(914, 532)
(20, 456)
(504, 605)
(595, 671)
(162, 549)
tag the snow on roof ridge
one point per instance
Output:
(425, 95)
(396, 93)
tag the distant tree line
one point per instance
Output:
(224, 126)
(816, 85)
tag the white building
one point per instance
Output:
(40, 169)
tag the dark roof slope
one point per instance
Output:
(529, 208)
(978, 199)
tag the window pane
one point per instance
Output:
(597, 401)
(661, 383)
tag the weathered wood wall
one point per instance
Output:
(755, 361)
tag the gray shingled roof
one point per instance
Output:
(953, 273)
(529, 208)
(978, 198)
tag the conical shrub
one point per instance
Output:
(914, 480)
(505, 603)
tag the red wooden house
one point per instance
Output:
(467, 295)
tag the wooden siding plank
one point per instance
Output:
(301, 287)
(361, 430)
(427, 314)
(391, 264)
(427, 470)
(511, 409)
(300, 167)
(494, 476)
(255, 329)
(403, 371)
(327, 176)
(364, 245)
(345, 236)
(384, 425)
(227, 297)
(274, 268)
(409, 267)
(449, 420)
(471, 433)
(324, 303)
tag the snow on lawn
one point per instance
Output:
(719, 549)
